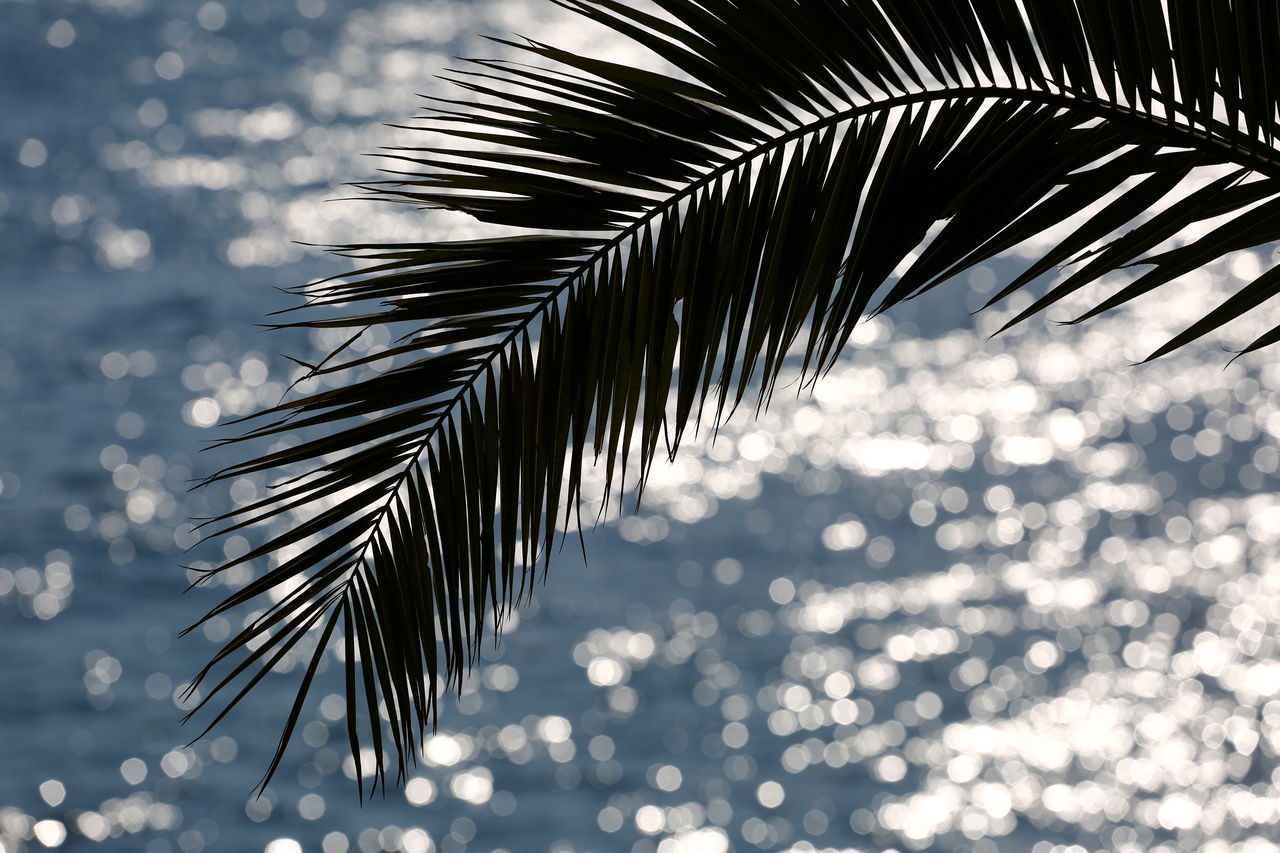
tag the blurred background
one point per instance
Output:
(969, 595)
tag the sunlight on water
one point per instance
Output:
(966, 594)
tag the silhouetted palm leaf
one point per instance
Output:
(759, 196)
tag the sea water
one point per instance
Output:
(963, 594)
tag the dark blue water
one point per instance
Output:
(969, 595)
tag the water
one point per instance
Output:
(969, 595)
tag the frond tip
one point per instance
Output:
(802, 163)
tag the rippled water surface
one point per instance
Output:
(968, 594)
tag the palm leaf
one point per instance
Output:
(689, 229)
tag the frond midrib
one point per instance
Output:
(1226, 141)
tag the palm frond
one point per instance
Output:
(758, 196)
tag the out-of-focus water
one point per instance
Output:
(969, 595)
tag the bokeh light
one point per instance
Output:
(969, 594)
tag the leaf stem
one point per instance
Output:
(1225, 140)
